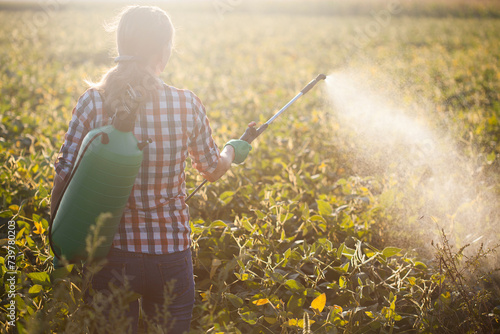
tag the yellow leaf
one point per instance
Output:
(369, 253)
(262, 301)
(370, 314)
(319, 302)
(38, 228)
(342, 282)
(299, 322)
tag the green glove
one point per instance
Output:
(241, 149)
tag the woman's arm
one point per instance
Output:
(223, 165)
(57, 192)
(80, 124)
(227, 157)
(203, 149)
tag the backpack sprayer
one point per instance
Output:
(100, 182)
(102, 179)
(251, 133)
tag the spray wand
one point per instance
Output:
(251, 132)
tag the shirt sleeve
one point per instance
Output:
(80, 124)
(202, 148)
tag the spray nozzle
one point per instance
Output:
(320, 77)
(312, 83)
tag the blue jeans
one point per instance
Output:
(148, 275)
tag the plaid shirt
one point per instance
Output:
(156, 218)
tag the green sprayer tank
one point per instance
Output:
(107, 165)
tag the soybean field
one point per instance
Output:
(370, 206)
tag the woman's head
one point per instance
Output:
(145, 33)
(144, 38)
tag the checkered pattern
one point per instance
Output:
(156, 219)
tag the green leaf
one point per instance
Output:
(226, 196)
(348, 252)
(242, 277)
(218, 223)
(420, 264)
(305, 212)
(40, 278)
(36, 217)
(327, 244)
(45, 223)
(343, 268)
(294, 285)
(260, 214)
(391, 251)
(61, 272)
(324, 208)
(42, 191)
(275, 276)
(235, 300)
(35, 289)
(6, 214)
(317, 218)
(341, 182)
(30, 242)
(295, 303)
(246, 224)
(369, 253)
(287, 253)
(248, 315)
(340, 250)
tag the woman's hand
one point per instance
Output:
(241, 149)
(236, 151)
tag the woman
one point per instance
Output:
(152, 246)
